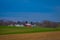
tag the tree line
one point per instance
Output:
(45, 23)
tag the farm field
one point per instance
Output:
(21, 30)
(32, 36)
(24, 33)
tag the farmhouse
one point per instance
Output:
(27, 25)
(18, 25)
(11, 25)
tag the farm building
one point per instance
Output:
(18, 25)
(27, 25)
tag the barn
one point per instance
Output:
(27, 25)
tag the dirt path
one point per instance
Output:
(32, 36)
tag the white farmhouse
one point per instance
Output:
(17, 25)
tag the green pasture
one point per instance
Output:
(20, 30)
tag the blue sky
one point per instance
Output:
(30, 10)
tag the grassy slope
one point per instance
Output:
(17, 30)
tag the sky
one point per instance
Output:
(30, 10)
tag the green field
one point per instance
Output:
(20, 30)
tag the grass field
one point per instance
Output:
(19, 30)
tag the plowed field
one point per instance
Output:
(32, 36)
